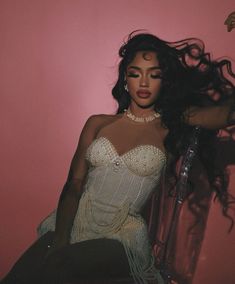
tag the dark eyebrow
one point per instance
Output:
(138, 68)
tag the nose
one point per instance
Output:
(144, 81)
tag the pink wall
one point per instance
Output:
(57, 66)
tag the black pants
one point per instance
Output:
(88, 260)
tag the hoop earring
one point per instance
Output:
(126, 88)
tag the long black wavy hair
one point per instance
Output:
(189, 78)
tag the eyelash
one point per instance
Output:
(132, 75)
(156, 76)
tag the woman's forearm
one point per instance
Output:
(212, 117)
(231, 115)
(66, 211)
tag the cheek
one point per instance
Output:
(157, 86)
(132, 84)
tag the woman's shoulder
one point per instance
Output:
(97, 121)
(102, 118)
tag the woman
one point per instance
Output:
(163, 90)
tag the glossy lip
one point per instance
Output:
(143, 93)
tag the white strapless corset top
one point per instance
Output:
(143, 160)
(116, 189)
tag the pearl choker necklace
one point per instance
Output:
(141, 119)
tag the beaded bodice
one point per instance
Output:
(116, 188)
(119, 179)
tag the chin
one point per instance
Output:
(145, 104)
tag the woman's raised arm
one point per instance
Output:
(212, 117)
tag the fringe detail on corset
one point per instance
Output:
(48, 224)
(140, 275)
(87, 214)
(129, 230)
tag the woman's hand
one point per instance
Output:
(230, 21)
(56, 245)
(54, 266)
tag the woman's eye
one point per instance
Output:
(132, 75)
(156, 76)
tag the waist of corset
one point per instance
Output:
(106, 217)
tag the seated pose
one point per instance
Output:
(98, 231)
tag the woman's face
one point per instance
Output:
(143, 77)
